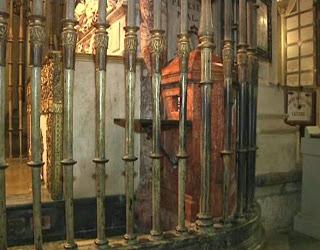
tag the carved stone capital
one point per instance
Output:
(184, 47)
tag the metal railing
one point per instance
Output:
(247, 108)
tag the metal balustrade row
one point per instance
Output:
(247, 212)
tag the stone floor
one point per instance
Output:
(19, 183)
(291, 241)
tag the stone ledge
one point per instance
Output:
(246, 236)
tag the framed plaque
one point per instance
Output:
(264, 29)
(300, 107)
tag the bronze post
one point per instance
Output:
(101, 46)
(183, 53)
(252, 109)
(204, 218)
(131, 44)
(20, 85)
(3, 88)
(10, 80)
(157, 52)
(242, 60)
(228, 102)
(69, 38)
(37, 37)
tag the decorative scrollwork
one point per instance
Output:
(37, 34)
(101, 40)
(227, 55)
(158, 45)
(131, 43)
(184, 47)
(3, 32)
(242, 58)
(69, 38)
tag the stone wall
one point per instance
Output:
(277, 144)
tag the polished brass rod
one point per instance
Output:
(20, 67)
(228, 102)
(204, 218)
(242, 102)
(157, 51)
(131, 44)
(101, 46)
(69, 38)
(252, 109)
(10, 80)
(3, 89)
(37, 37)
(183, 53)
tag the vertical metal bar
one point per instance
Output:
(157, 52)
(101, 45)
(253, 84)
(20, 85)
(37, 37)
(228, 102)
(250, 54)
(183, 53)
(3, 88)
(10, 80)
(69, 38)
(242, 60)
(131, 44)
(204, 218)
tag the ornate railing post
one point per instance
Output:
(10, 80)
(101, 46)
(131, 45)
(183, 53)
(21, 67)
(3, 93)
(252, 96)
(69, 38)
(37, 37)
(242, 121)
(228, 102)
(204, 218)
(157, 51)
